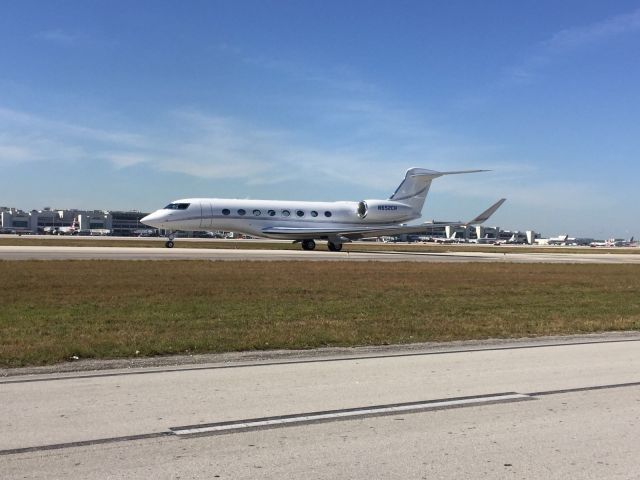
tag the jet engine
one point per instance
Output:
(381, 211)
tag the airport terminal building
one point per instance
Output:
(89, 222)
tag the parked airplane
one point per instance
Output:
(512, 240)
(305, 222)
(615, 242)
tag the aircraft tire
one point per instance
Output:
(334, 247)
(308, 244)
(168, 244)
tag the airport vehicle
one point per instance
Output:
(306, 222)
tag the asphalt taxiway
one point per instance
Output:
(558, 408)
(137, 253)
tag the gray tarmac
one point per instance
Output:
(135, 253)
(563, 408)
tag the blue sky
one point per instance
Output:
(127, 105)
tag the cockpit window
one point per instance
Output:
(177, 206)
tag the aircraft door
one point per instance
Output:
(206, 214)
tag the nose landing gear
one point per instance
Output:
(169, 243)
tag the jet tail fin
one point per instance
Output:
(484, 216)
(415, 186)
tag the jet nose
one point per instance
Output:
(153, 219)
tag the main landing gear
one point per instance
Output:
(310, 245)
(169, 243)
(334, 247)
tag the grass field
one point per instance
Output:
(50, 311)
(266, 245)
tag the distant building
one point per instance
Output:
(12, 219)
(125, 224)
(96, 220)
(51, 221)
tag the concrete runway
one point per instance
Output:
(135, 253)
(554, 408)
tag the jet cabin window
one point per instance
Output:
(177, 206)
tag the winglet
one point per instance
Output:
(484, 216)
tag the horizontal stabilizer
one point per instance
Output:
(414, 188)
(435, 174)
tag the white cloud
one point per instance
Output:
(571, 39)
(577, 37)
(63, 38)
(124, 160)
(22, 121)
(14, 153)
(336, 77)
(58, 36)
(20, 148)
(575, 196)
(30, 138)
(389, 140)
(360, 141)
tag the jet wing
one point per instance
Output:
(377, 231)
(346, 234)
(484, 216)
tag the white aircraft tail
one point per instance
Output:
(415, 186)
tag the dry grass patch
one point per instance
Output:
(50, 311)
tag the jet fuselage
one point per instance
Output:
(253, 217)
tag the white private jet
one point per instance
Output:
(305, 222)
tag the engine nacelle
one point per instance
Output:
(383, 211)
